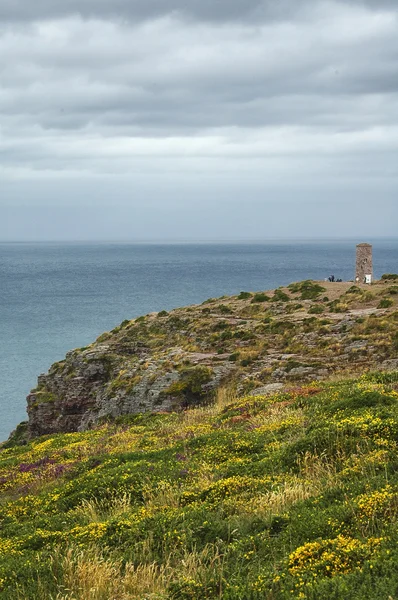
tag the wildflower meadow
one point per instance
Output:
(293, 495)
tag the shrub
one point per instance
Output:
(220, 326)
(245, 336)
(280, 296)
(308, 289)
(260, 297)
(176, 322)
(18, 436)
(226, 335)
(244, 296)
(389, 277)
(385, 303)
(126, 384)
(102, 338)
(395, 342)
(337, 307)
(223, 309)
(316, 310)
(246, 362)
(44, 397)
(190, 385)
(281, 326)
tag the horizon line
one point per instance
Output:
(200, 240)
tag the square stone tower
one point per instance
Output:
(364, 265)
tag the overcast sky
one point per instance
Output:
(198, 119)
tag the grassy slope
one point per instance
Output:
(289, 496)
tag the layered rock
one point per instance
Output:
(169, 361)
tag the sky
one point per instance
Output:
(198, 119)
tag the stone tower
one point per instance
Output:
(364, 266)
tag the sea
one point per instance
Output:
(59, 296)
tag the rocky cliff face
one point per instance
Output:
(261, 341)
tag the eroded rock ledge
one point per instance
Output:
(167, 361)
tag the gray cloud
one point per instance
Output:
(137, 10)
(225, 91)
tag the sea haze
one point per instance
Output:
(55, 297)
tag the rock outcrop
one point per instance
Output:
(168, 361)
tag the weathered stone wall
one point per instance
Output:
(364, 262)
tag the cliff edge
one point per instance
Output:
(257, 342)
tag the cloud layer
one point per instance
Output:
(276, 92)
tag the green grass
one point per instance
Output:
(289, 496)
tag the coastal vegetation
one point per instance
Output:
(290, 495)
(162, 361)
(244, 448)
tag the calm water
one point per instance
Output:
(54, 297)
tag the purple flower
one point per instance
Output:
(42, 462)
(60, 470)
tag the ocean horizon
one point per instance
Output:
(56, 296)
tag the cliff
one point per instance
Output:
(275, 484)
(257, 342)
